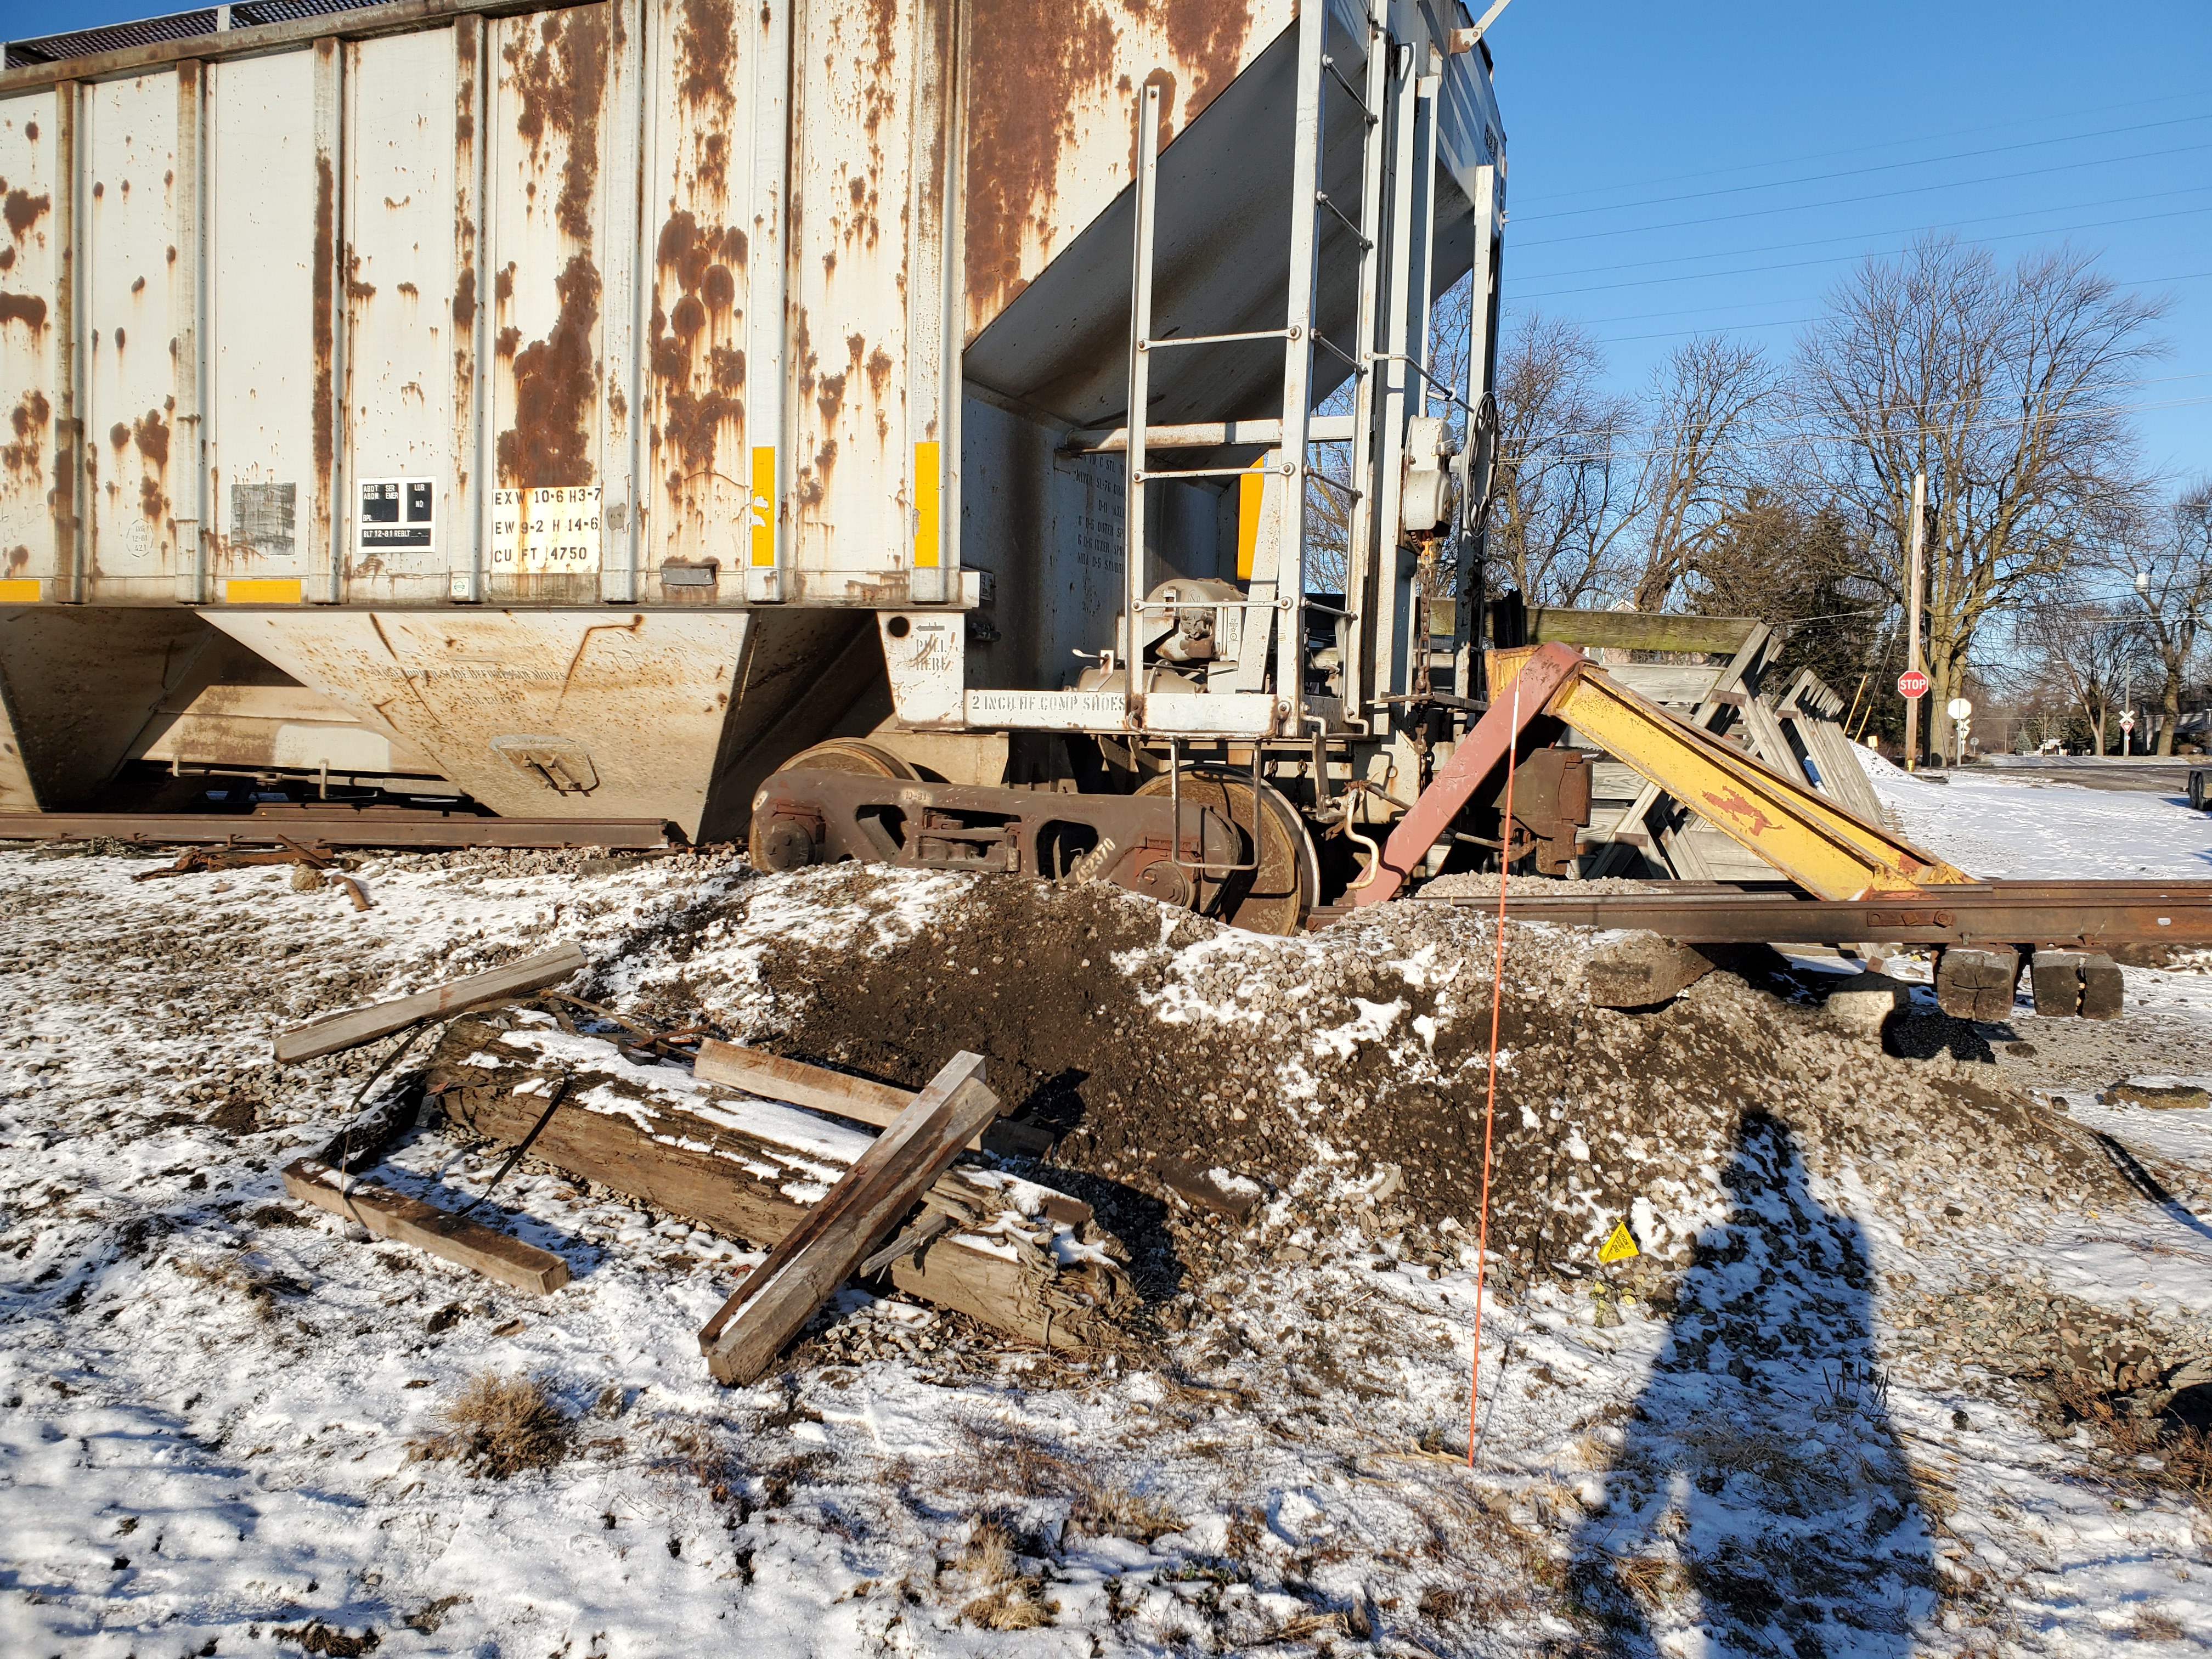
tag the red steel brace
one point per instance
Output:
(1481, 750)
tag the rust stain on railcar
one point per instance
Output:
(550, 443)
(326, 318)
(696, 407)
(28, 309)
(1024, 108)
(561, 84)
(706, 36)
(27, 421)
(695, 333)
(706, 45)
(467, 49)
(22, 210)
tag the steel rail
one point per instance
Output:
(392, 827)
(2084, 915)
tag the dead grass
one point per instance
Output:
(499, 1426)
(695, 1455)
(1009, 1600)
(2183, 1451)
(259, 1285)
(1765, 1454)
(1097, 1502)
(988, 1555)
(1646, 1577)
(1019, 1605)
(1104, 1507)
(1304, 1627)
(316, 1637)
(2152, 1627)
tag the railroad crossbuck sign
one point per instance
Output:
(1913, 684)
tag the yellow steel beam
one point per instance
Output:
(1803, 835)
(1815, 843)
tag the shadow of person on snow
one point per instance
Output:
(1760, 1499)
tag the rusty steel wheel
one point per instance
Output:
(782, 845)
(851, 755)
(1276, 897)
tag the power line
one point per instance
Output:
(1860, 236)
(1862, 150)
(1951, 403)
(1684, 311)
(1781, 322)
(1879, 166)
(1891, 432)
(1877, 196)
(1845, 258)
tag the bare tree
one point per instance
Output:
(2001, 386)
(1705, 400)
(2079, 655)
(1563, 492)
(2163, 572)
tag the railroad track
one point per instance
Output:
(2092, 915)
(332, 826)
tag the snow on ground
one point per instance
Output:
(210, 1397)
(1993, 825)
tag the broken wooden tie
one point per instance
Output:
(778, 1298)
(356, 1026)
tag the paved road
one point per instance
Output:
(2157, 774)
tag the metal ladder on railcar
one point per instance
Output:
(1278, 596)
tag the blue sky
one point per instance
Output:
(1710, 165)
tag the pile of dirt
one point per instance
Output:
(1347, 1070)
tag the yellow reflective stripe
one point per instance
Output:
(20, 590)
(1251, 491)
(763, 501)
(262, 590)
(924, 507)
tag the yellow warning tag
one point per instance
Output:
(1619, 1247)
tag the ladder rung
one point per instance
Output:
(1349, 91)
(1207, 435)
(1357, 367)
(1214, 340)
(1147, 476)
(1321, 197)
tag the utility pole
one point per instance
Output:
(1912, 614)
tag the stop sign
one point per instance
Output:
(1913, 684)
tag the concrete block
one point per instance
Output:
(1639, 968)
(1864, 1003)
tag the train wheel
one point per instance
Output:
(781, 844)
(851, 755)
(1277, 896)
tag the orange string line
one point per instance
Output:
(1490, 1106)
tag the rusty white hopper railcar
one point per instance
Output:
(593, 408)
